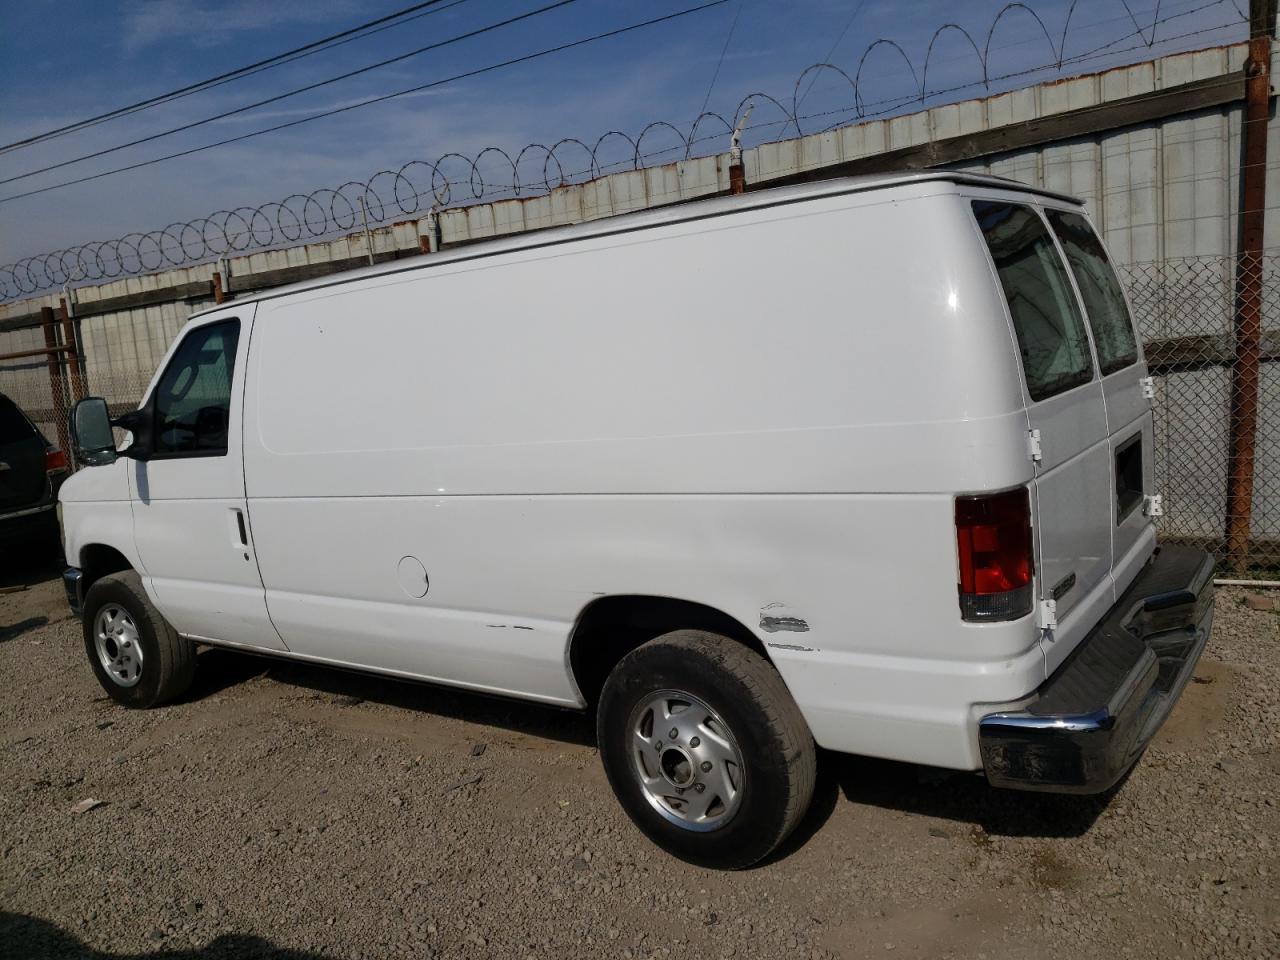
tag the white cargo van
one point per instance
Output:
(864, 464)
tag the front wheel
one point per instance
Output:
(138, 658)
(705, 748)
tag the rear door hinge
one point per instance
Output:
(1148, 387)
(1153, 506)
(1033, 446)
(1047, 614)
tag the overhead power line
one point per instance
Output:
(832, 52)
(728, 37)
(291, 93)
(688, 11)
(368, 28)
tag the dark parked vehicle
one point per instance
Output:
(31, 471)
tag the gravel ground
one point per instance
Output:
(283, 811)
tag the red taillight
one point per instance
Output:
(993, 534)
(54, 461)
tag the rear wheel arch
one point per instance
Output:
(610, 627)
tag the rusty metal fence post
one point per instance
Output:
(1248, 325)
(72, 353)
(57, 386)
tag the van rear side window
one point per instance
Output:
(1046, 317)
(1100, 290)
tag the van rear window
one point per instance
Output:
(1100, 290)
(1046, 318)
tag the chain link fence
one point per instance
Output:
(49, 409)
(1192, 314)
(1187, 311)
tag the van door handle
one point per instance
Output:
(244, 534)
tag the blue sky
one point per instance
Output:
(63, 60)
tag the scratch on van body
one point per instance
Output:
(777, 617)
(792, 646)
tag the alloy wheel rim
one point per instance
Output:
(116, 641)
(686, 760)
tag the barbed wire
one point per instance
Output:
(424, 186)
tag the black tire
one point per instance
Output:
(778, 759)
(168, 660)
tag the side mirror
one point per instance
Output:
(139, 423)
(91, 432)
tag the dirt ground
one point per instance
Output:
(284, 811)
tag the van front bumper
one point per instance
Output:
(72, 583)
(1089, 722)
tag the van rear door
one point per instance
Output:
(1129, 420)
(1067, 421)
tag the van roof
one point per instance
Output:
(654, 217)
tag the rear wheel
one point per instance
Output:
(138, 658)
(705, 748)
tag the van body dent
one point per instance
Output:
(890, 438)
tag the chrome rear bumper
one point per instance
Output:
(1089, 722)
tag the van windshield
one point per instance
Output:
(1100, 290)
(1046, 318)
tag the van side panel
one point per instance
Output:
(771, 411)
(833, 346)
(508, 575)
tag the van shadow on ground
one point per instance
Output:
(973, 807)
(30, 938)
(966, 799)
(218, 669)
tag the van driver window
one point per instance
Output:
(193, 396)
(1046, 316)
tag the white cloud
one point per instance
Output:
(149, 22)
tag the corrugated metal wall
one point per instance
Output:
(1163, 191)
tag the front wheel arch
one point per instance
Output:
(167, 659)
(98, 560)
